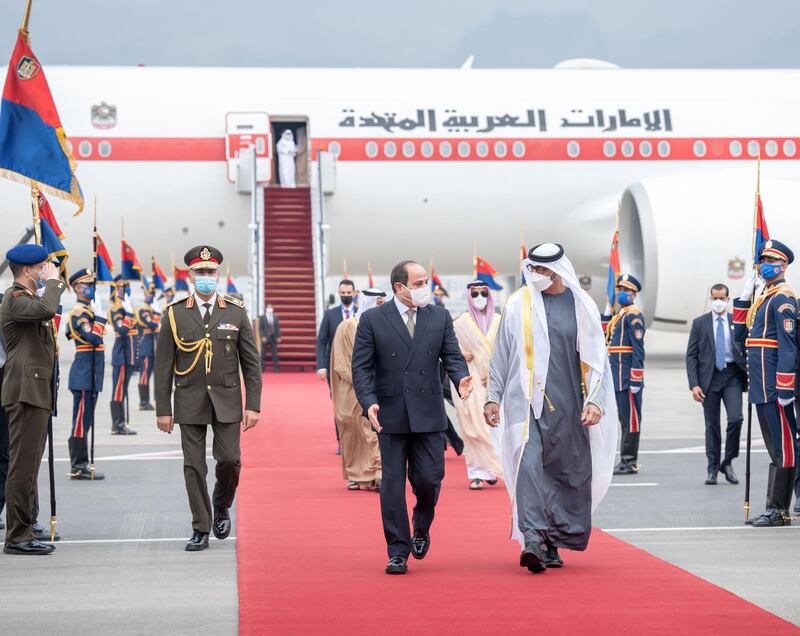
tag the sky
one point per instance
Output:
(411, 33)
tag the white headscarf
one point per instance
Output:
(369, 299)
(286, 143)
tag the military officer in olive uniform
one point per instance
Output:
(147, 323)
(205, 339)
(86, 326)
(27, 394)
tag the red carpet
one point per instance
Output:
(311, 555)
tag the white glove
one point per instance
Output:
(785, 401)
(157, 309)
(749, 286)
(635, 389)
(97, 306)
(126, 305)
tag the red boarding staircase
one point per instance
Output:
(289, 274)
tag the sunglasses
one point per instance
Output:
(475, 294)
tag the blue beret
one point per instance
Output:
(119, 278)
(27, 254)
(629, 282)
(84, 276)
(776, 249)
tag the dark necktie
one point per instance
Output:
(719, 343)
(346, 314)
(207, 313)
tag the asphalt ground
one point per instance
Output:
(121, 568)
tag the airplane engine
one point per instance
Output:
(681, 234)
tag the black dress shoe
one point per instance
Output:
(396, 565)
(552, 558)
(33, 547)
(420, 543)
(146, 407)
(84, 474)
(199, 541)
(772, 519)
(222, 523)
(122, 430)
(711, 480)
(533, 558)
(730, 476)
(626, 469)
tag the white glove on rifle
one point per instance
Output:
(97, 306)
(749, 286)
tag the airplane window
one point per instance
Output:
(609, 149)
(753, 148)
(500, 149)
(663, 148)
(85, 148)
(389, 149)
(573, 149)
(771, 148)
(104, 148)
(518, 149)
(335, 148)
(426, 149)
(735, 148)
(445, 149)
(645, 149)
(789, 148)
(482, 149)
(371, 149)
(627, 149)
(699, 148)
(408, 149)
(463, 149)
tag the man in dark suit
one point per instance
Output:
(396, 379)
(269, 329)
(717, 372)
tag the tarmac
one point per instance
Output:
(120, 566)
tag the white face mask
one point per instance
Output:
(719, 305)
(420, 296)
(540, 282)
(480, 302)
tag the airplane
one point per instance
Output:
(431, 163)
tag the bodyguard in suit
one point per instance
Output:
(396, 379)
(206, 339)
(331, 319)
(27, 396)
(717, 373)
(269, 329)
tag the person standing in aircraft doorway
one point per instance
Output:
(287, 151)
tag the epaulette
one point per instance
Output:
(633, 309)
(189, 301)
(179, 300)
(786, 290)
(20, 292)
(231, 300)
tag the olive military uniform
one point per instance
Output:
(200, 351)
(27, 394)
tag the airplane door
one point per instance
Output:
(246, 130)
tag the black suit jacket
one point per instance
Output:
(701, 352)
(269, 331)
(401, 375)
(331, 319)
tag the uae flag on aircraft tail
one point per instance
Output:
(33, 147)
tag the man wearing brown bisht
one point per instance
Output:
(361, 457)
(476, 330)
(205, 341)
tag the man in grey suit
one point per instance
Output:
(717, 372)
(396, 379)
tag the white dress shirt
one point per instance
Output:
(404, 310)
(200, 302)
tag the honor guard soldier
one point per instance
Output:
(767, 327)
(86, 326)
(27, 321)
(625, 342)
(123, 356)
(205, 340)
(147, 325)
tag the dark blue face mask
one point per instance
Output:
(87, 292)
(769, 271)
(625, 298)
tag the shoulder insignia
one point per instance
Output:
(20, 292)
(220, 301)
(786, 306)
(788, 325)
(175, 302)
(633, 310)
(231, 300)
(637, 321)
(639, 334)
(189, 301)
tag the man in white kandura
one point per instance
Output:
(558, 432)
(476, 330)
(287, 151)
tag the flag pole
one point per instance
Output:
(26, 18)
(474, 259)
(94, 397)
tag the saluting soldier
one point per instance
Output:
(205, 339)
(625, 343)
(86, 326)
(766, 326)
(27, 394)
(123, 356)
(147, 324)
